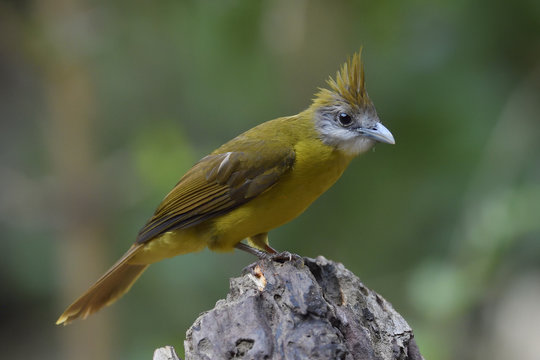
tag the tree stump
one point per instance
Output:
(300, 309)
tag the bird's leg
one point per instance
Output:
(253, 251)
(270, 249)
(276, 256)
(260, 241)
(260, 248)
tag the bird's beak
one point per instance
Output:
(379, 133)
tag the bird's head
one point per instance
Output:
(344, 115)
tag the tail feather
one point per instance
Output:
(109, 288)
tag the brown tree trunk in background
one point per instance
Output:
(300, 309)
(68, 131)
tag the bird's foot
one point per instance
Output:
(284, 256)
(269, 254)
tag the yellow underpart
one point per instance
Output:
(170, 244)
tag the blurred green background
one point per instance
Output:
(104, 105)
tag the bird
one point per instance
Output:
(252, 184)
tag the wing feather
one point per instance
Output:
(219, 183)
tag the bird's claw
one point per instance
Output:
(284, 256)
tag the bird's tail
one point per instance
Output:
(109, 288)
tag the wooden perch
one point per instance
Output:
(300, 309)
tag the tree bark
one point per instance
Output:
(300, 309)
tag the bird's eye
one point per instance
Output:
(345, 119)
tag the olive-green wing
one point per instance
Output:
(219, 183)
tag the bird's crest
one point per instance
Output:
(348, 85)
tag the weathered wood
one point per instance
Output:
(300, 309)
(165, 353)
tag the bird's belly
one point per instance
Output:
(171, 243)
